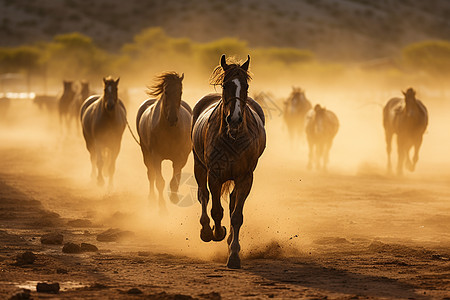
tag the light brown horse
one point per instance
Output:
(229, 137)
(322, 126)
(164, 127)
(103, 119)
(408, 118)
(295, 109)
(64, 103)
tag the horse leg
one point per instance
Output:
(326, 153)
(201, 176)
(388, 135)
(160, 184)
(242, 188)
(99, 159)
(417, 146)
(215, 186)
(319, 154)
(93, 163)
(401, 155)
(310, 154)
(112, 165)
(175, 181)
(150, 174)
(232, 206)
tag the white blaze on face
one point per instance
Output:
(237, 107)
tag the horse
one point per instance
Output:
(64, 103)
(295, 109)
(321, 127)
(163, 127)
(103, 121)
(408, 118)
(80, 96)
(228, 138)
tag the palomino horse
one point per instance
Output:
(103, 119)
(164, 127)
(295, 109)
(321, 128)
(64, 103)
(228, 137)
(408, 118)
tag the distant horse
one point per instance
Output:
(321, 128)
(164, 130)
(408, 118)
(81, 95)
(228, 137)
(46, 103)
(64, 104)
(103, 119)
(295, 109)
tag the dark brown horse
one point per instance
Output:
(80, 96)
(408, 118)
(64, 104)
(164, 127)
(103, 119)
(295, 109)
(321, 128)
(229, 137)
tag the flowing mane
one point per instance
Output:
(219, 76)
(161, 82)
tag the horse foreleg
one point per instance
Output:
(200, 173)
(175, 181)
(310, 154)
(242, 188)
(99, 160)
(215, 186)
(93, 163)
(417, 146)
(326, 153)
(112, 166)
(401, 156)
(319, 154)
(388, 135)
(160, 184)
(232, 207)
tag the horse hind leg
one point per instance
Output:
(160, 184)
(242, 189)
(417, 145)
(99, 160)
(201, 176)
(113, 154)
(388, 136)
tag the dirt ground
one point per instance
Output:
(350, 233)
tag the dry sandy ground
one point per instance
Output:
(351, 233)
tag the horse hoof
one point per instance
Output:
(219, 235)
(234, 262)
(100, 182)
(206, 234)
(174, 198)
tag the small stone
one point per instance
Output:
(52, 239)
(51, 288)
(134, 291)
(26, 258)
(85, 247)
(23, 295)
(61, 271)
(71, 248)
(113, 235)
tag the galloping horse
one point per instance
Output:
(78, 99)
(321, 128)
(228, 137)
(164, 127)
(295, 109)
(103, 119)
(408, 118)
(64, 103)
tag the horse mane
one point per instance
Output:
(160, 82)
(219, 76)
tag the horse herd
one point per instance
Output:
(226, 134)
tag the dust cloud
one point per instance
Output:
(290, 209)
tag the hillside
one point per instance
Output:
(347, 29)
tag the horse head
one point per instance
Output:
(67, 86)
(410, 96)
(169, 87)
(110, 96)
(235, 79)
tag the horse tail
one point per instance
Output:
(227, 187)
(141, 110)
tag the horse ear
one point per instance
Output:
(246, 64)
(117, 81)
(104, 80)
(182, 76)
(223, 62)
(404, 94)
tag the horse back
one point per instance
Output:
(87, 103)
(392, 107)
(202, 104)
(146, 104)
(257, 108)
